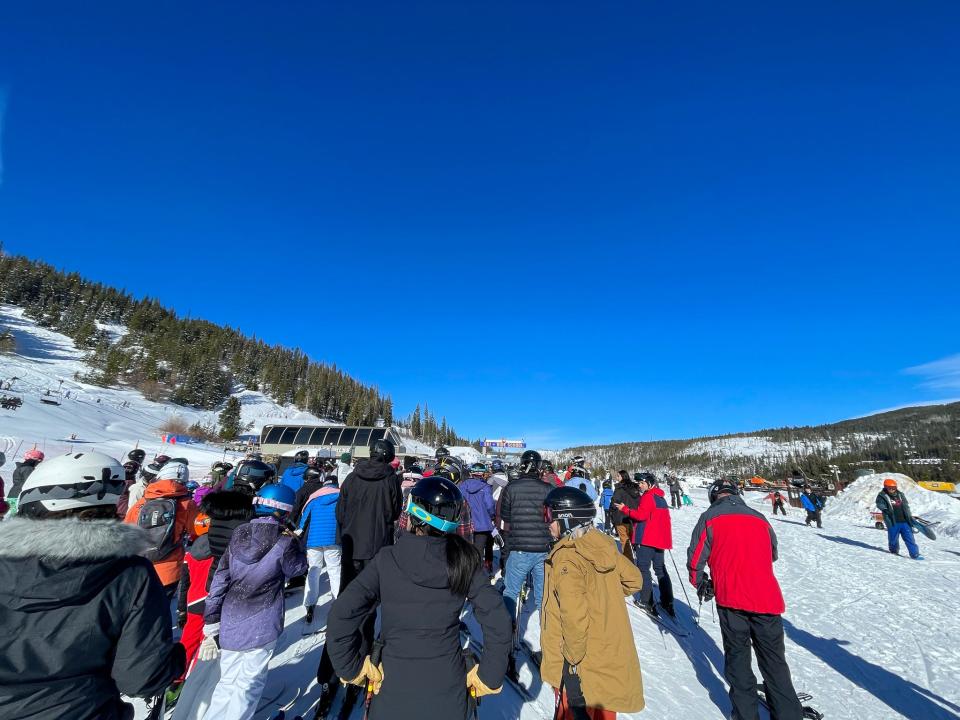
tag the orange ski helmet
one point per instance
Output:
(890, 483)
(201, 524)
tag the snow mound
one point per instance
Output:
(858, 500)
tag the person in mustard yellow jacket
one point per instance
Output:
(592, 663)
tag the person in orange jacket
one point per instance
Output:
(167, 513)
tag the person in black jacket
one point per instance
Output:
(84, 618)
(528, 536)
(227, 510)
(31, 459)
(421, 584)
(626, 493)
(368, 507)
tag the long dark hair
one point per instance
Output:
(624, 475)
(463, 561)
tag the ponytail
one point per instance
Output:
(463, 561)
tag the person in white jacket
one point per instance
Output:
(344, 468)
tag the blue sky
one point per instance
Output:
(574, 224)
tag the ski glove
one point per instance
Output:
(477, 685)
(705, 589)
(571, 683)
(368, 673)
(181, 620)
(209, 650)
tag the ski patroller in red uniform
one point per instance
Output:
(740, 546)
(653, 527)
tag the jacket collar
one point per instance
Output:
(70, 539)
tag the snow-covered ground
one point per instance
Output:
(108, 420)
(868, 634)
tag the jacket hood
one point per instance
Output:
(200, 549)
(656, 491)
(228, 505)
(473, 485)
(165, 489)
(423, 559)
(372, 470)
(252, 540)
(46, 564)
(594, 547)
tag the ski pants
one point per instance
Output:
(779, 506)
(519, 564)
(813, 516)
(741, 630)
(675, 499)
(647, 556)
(243, 674)
(898, 530)
(317, 559)
(483, 542)
(190, 638)
(624, 533)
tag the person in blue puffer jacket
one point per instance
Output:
(479, 496)
(318, 525)
(813, 504)
(293, 476)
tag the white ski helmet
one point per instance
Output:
(70, 482)
(173, 470)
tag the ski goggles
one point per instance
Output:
(430, 519)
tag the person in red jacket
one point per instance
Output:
(652, 534)
(740, 547)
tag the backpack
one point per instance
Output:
(158, 518)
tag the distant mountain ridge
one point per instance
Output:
(923, 442)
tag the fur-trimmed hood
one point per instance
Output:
(46, 563)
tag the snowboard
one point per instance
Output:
(925, 527)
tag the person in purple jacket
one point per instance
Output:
(243, 615)
(479, 496)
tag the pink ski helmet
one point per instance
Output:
(33, 455)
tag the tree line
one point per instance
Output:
(190, 362)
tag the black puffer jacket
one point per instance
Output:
(424, 674)
(627, 493)
(228, 510)
(522, 507)
(83, 619)
(20, 475)
(368, 507)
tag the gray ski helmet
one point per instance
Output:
(441, 452)
(723, 485)
(301, 456)
(530, 462)
(253, 475)
(382, 450)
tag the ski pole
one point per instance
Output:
(699, 610)
(683, 585)
(375, 656)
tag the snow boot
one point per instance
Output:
(327, 693)
(668, 609)
(308, 618)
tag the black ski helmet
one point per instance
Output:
(137, 455)
(649, 478)
(546, 466)
(570, 507)
(441, 452)
(311, 474)
(382, 450)
(449, 468)
(530, 462)
(253, 475)
(437, 502)
(723, 485)
(301, 456)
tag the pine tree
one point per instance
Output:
(229, 418)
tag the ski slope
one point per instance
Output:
(868, 634)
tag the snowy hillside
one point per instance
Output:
(868, 634)
(110, 420)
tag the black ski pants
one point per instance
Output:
(647, 556)
(778, 505)
(675, 499)
(483, 542)
(813, 516)
(764, 633)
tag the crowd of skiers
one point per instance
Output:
(100, 554)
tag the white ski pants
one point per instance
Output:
(317, 559)
(243, 673)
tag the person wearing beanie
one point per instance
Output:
(344, 468)
(31, 459)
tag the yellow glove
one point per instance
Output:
(368, 673)
(475, 684)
